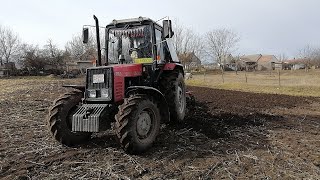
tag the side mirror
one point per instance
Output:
(167, 29)
(85, 35)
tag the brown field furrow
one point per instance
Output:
(228, 135)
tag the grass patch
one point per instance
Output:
(291, 84)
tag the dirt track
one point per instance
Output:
(229, 134)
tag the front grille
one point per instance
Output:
(107, 78)
(88, 123)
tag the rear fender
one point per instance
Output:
(173, 66)
(156, 94)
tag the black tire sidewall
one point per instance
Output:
(65, 134)
(67, 108)
(180, 115)
(143, 144)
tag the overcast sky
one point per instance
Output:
(265, 26)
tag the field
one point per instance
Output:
(228, 135)
(296, 83)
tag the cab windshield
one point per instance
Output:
(129, 44)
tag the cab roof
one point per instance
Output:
(131, 20)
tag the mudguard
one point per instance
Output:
(157, 95)
(79, 87)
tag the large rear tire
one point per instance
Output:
(60, 117)
(173, 86)
(137, 123)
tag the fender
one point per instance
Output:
(79, 87)
(172, 66)
(157, 95)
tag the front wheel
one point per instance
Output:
(60, 117)
(137, 123)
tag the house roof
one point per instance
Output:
(259, 58)
(296, 61)
(251, 58)
(268, 58)
(190, 57)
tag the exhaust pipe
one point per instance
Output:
(98, 40)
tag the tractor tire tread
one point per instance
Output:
(122, 124)
(54, 122)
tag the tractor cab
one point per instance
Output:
(137, 41)
(130, 45)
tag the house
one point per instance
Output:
(83, 65)
(268, 62)
(294, 64)
(190, 61)
(228, 63)
(7, 69)
(235, 63)
(211, 66)
(261, 62)
(3, 71)
(250, 62)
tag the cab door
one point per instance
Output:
(159, 45)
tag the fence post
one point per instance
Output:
(245, 74)
(279, 77)
(222, 75)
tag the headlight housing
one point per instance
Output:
(105, 93)
(92, 93)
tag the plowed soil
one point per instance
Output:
(226, 135)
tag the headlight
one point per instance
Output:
(92, 93)
(105, 93)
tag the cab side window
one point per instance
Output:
(159, 44)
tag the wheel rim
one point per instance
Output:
(144, 123)
(181, 99)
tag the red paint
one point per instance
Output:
(118, 88)
(120, 72)
(127, 70)
(169, 66)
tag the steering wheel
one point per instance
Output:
(133, 49)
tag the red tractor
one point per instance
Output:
(140, 85)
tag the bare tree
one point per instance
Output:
(220, 43)
(308, 54)
(31, 59)
(80, 51)
(9, 45)
(51, 49)
(50, 59)
(53, 55)
(282, 57)
(316, 59)
(187, 44)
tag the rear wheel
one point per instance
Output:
(60, 117)
(173, 87)
(137, 123)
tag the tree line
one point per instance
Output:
(34, 59)
(212, 46)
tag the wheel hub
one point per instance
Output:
(144, 124)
